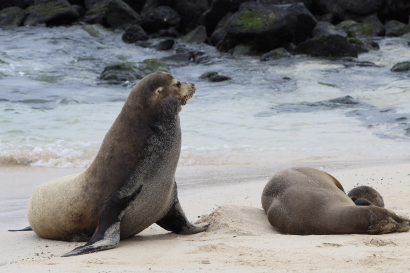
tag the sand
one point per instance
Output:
(240, 239)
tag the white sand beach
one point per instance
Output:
(240, 239)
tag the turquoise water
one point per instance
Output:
(54, 112)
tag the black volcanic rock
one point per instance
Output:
(190, 11)
(12, 17)
(331, 46)
(162, 17)
(55, 12)
(134, 33)
(119, 14)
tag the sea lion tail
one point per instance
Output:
(24, 229)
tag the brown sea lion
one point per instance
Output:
(130, 185)
(363, 195)
(308, 201)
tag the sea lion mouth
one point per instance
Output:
(188, 96)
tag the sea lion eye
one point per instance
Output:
(159, 90)
(178, 84)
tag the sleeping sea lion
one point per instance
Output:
(308, 201)
(130, 185)
(361, 194)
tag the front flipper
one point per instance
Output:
(23, 229)
(176, 221)
(107, 234)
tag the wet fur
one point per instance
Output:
(307, 201)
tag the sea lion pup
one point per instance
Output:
(130, 185)
(365, 196)
(307, 201)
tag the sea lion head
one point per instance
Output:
(161, 92)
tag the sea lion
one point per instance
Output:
(361, 194)
(306, 201)
(130, 185)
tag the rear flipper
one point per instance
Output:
(107, 234)
(176, 221)
(24, 229)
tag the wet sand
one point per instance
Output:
(240, 238)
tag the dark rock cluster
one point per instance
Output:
(270, 28)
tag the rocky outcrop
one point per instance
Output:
(136, 5)
(395, 29)
(401, 7)
(218, 9)
(264, 27)
(162, 17)
(120, 15)
(325, 28)
(130, 71)
(134, 34)
(276, 54)
(213, 76)
(12, 17)
(401, 67)
(23, 4)
(308, 3)
(190, 11)
(349, 9)
(371, 27)
(305, 22)
(221, 29)
(359, 44)
(196, 36)
(97, 13)
(52, 13)
(330, 46)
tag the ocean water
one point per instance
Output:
(54, 112)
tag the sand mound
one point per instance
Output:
(237, 220)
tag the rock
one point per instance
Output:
(371, 45)
(325, 18)
(218, 9)
(79, 9)
(346, 26)
(265, 26)
(136, 5)
(130, 71)
(332, 46)
(359, 44)
(306, 22)
(79, 3)
(349, 61)
(122, 72)
(308, 3)
(401, 7)
(190, 11)
(120, 15)
(165, 44)
(12, 17)
(351, 9)
(370, 27)
(171, 32)
(93, 31)
(325, 28)
(96, 14)
(55, 12)
(275, 55)
(401, 67)
(177, 59)
(134, 33)
(243, 50)
(150, 5)
(196, 36)
(395, 29)
(213, 76)
(221, 29)
(23, 4)
(162, 17)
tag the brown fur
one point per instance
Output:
(368, 193)
(308, 201)
(145, 132)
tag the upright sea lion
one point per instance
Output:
(130, 184)
(361, 194)
(308, 201)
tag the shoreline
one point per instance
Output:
(240, 238)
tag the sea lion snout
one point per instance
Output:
(188, 90)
